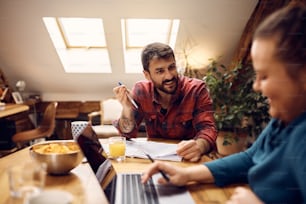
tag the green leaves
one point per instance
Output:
(234, 98)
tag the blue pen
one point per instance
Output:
(130, 98)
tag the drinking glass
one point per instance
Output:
(117, 146)
(27, 179)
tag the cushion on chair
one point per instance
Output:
(103, 131)
(111, 110)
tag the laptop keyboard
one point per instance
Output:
(134, 192)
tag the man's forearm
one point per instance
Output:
(127, 121)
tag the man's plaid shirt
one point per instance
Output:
(189, 117)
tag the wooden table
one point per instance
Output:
(83, 185)
(81, 182)
(201, 193)
(11, 109)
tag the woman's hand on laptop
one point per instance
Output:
(177, 175)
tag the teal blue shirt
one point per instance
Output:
(274, 166)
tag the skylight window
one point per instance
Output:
(81, 32)
(137, 33)
(80, 44)
(140, 32)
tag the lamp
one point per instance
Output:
(20, 85)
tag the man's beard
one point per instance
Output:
(163, 89)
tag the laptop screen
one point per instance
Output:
(91, 148)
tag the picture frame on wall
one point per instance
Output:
(17, 97)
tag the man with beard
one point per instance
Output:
(172, 106)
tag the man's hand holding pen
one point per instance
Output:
(124, 94)
(127, 121)
(121, 94)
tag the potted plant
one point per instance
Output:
(239, 111)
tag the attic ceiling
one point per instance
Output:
(208, 29)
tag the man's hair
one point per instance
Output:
(155, 50)
(287, 27)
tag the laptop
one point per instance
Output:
(126, 188)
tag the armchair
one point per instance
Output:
(110, 110)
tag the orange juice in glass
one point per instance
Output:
(117, 148)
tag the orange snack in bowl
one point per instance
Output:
(56, 148)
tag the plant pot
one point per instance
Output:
(231, 142)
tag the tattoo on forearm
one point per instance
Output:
(126, 125)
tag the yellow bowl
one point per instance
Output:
(60, 156)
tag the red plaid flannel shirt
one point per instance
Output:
(189, 117)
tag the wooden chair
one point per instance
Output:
(110, 110)
(44, 130)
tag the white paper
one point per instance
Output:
(157, 150)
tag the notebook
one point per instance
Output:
(126, 188)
